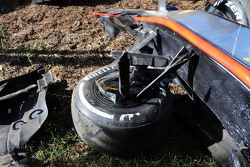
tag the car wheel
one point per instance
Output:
(120, 128)
(236, 10)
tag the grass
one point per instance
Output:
(57, 143)
(57, 149)
(69, 150)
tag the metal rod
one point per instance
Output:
(181, 57)
(162, 5)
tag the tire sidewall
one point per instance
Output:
(236, 9)
(124, 137)
(116, 117)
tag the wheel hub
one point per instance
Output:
(108, 87)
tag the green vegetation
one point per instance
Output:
(69, 150)
(57, 144)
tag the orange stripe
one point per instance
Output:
(228, 62)
(106, 14)
(237, 69)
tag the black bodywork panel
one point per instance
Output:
(223, 93)
(22, 108)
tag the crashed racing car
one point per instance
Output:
(122, 108)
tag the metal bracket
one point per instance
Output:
(189, 90)
(181, 58)
(151, 34)
(141, 59)
(124, 79)
(128, 59)
(125, 23)
(134, 50)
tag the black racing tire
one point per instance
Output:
(236, 10)
(123, 131)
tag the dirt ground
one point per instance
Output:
(64, 27)
(71, 42)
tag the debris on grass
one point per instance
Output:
(69, 40)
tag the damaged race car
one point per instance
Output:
(122, 108)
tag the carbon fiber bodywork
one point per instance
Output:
(23, 111)
(223, 87)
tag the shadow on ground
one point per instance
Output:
(180, 148)
(55, 57)
(57, 144)
(7, 6)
